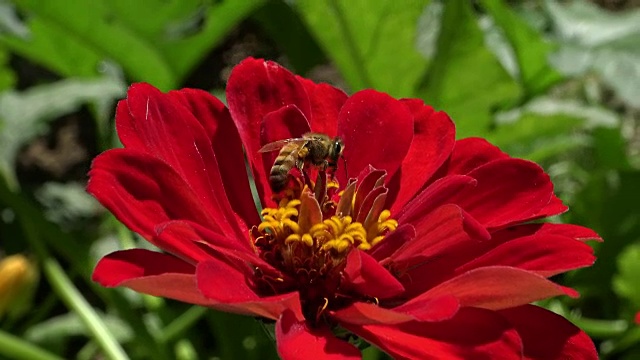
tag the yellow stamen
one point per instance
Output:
(337, 233)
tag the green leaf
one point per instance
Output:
(601, 42)
(537, 137)
(50, 46)
(465, 79)
(46, 44)
(625, 282)
(290, 35)
(68, 325)
(373, 43)
(546, 127)
(531, 50)
(7, 77)
(90, 24)
(66, 203)
(220, 18)
(16, 348)
(74, 37)
(166, 14)
(23, 115)
(608, 204)
(611, 149)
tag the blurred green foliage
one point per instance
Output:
(554, 82)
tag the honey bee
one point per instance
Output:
(313, 148)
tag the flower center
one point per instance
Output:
(308, 240)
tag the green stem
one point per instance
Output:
(15, 348)
(600, 329)
(62, 285)
(156, 349)
(618, 345)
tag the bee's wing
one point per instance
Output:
(277, 145)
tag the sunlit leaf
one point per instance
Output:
(546, 127)
(465, 78)
(89, 23)
(72, 37)
(217, 20)
(49, 46)
(601, 42)
(373, 43)
(531, 50)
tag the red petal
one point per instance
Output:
(435, 195)
(366, 183)
(497, 287)
(471, 153)
(377, 130)
(256, 88)
(360, 313)
(554, 207)
(126, 183)
(220, 128)
(326, 102)
(403, 234)
(297, 341)
(549, 336)
(150, 273)
(545, 255)
(367, 277)
(438, 309)
(508, 191)
(444, 229)
(433, 139)
(208, 243)
(227, 286)
(126, 128)
(573, 231)
(471, 334)
(171, 133)
(446, 238)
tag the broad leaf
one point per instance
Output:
(373, 43)
(23, 115)
(465, 78)
(594, 40)
(531, 50)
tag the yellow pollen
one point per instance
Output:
(332, 184)
(336, 233)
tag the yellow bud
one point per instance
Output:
(18, 277)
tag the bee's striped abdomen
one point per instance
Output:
(285, 161)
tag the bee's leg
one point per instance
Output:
(323, 167)
(320, 189)
(303, 173)
(346, 171)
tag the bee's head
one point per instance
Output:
(337, 147)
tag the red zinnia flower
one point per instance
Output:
(428, 253)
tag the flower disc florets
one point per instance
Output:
(310, 233)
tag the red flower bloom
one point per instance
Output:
(428, 253)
